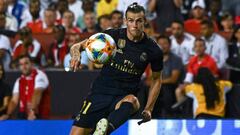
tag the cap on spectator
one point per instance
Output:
(198, 3)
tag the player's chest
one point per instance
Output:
(133, 55)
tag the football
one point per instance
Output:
(100, 48)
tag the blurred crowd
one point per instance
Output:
(191, 33)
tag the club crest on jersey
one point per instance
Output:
(143, 57)
(121, 43)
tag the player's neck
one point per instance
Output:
(135, 38)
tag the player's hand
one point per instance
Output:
(75, 63)
(146, 116)
(4, 117)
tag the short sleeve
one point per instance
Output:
(177, 63)
(157, 60)
(16, 87)
(36, 50)
(227, 85)
(189, 90)
(41, 81)
(5, 43)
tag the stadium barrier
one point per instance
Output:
(154, 127)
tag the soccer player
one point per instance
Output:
(113, 94)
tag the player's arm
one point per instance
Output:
(153, 95)
(75, 54)
(12, 106)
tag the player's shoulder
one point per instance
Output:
(114, 32)
(152, 45)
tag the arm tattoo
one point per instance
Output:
(75, 51)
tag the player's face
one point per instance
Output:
(25, 65)
(135, 23)
(177, 30)
(199, 48)
(164, 45)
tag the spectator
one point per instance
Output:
(171, 75)
(215, 11)
(5, 92)
(10, 21)
(104, 22)
(87, 6)
(62, 6)
(49, 20)
(16, 8)
(35, 82)
(233, 7)
(67, 22)
(27, 45)
(84, 58)
(59, 48)
(5, 52)
(227, 23)
(182, 42)
(32, 13)
(186, 8)
(90, 22)
(216, 45)
(201, 59)
(167, 11)
(117, 19)
(208, 95)
(198, 12)
(234, 56)
(35, 24)
(105, 7)
(75, 7)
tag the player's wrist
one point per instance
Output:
(148, 109)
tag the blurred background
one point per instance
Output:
(44, 31)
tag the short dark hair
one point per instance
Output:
(34, 1)
(134, 8)
(226, 16)
(209, 23)
(24, 56)
(116, 12)
(106, 16)
(178, 22)
(164, 37)
(201, 40)
(25, 31)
